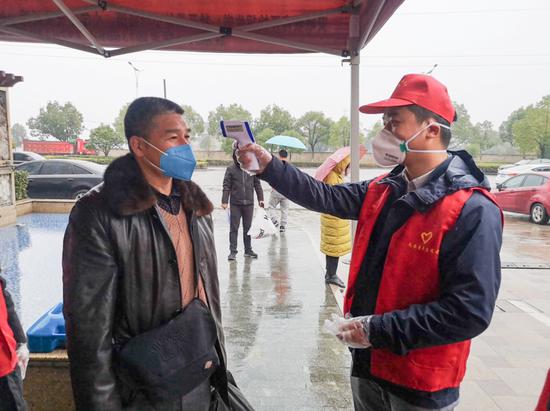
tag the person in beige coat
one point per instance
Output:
(335, 233)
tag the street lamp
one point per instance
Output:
(136, 73)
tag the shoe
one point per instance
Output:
(250, 254)
(232, 256)
(282, 229)
(334, 279)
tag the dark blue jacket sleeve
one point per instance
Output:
(470, 279)
(342, 200)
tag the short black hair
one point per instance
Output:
(283, 153)
(421, 114)
(139, 116)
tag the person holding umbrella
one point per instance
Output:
(277, 199)
(335, 232)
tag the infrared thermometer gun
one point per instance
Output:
(241, 133)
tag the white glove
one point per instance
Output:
(352, 332)
(23, 356)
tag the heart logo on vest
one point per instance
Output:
(426, 237)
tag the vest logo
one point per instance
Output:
(426, 237)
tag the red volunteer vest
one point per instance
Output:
(8, 357)
(411, 276)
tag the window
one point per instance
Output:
(80, 170)
(514, 182)
(56, 167)
(533, 180)
(31, 168)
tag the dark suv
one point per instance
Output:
(61, 179)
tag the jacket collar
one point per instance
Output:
(127, 192)
(458, 172)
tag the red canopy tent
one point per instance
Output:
(112, 28)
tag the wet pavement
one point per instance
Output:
(274, 308)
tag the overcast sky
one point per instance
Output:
(493, 55)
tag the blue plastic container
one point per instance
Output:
(48, 333)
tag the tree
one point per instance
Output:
(376, 128)
(275, 118)
(340, 133)
(194, 120)
(532, 132)
(19, 133)
(462, 129)
(505, 129)
(314, 128)
(104, 138)
(263, 136)
(231, 112)
(118, 124)
(63, 122)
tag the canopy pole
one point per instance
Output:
(354, 120)
(354, 117)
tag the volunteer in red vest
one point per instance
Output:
(14, 355)
(425, 268)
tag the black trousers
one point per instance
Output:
(246, 212)
(332, 265)
(11, 392)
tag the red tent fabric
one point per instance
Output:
(114, 27)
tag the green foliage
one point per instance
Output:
(532, 131)
(340, 133)
(62, 122)
(263, 136)
(314, 129)
(505, 129)
(194, 120)
(93, 159)
(21, 183)
(19, 133)
(231, 112)
(275, 118)
(118, 124)
(462, 129)
(104, 138)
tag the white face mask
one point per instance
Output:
(389, 151)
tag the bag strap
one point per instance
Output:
(219, 380)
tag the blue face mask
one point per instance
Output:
(177, 162)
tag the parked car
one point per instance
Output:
(540, 164)
(527, 193)
(24, 156)
(525, 162)
(61, 179)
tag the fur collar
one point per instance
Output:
(127, 192)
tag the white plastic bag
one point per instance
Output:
(262, 226)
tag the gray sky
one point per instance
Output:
(493, 55)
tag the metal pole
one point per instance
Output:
(164, 83)
(354, 120)
(136, 73)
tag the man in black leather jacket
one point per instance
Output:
(122, 267)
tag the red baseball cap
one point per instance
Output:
(420, 89)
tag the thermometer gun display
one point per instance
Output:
(241, 133)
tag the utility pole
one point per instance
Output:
(164, 83)
(136, 73)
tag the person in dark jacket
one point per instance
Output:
(238, 194)
(138, 248)
(14, 355)
(425, 268)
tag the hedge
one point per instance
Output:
(21, 183)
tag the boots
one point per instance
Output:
(334, 279)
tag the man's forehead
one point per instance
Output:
(169, 121)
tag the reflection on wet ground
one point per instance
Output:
(274, 308)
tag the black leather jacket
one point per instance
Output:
(120, 276)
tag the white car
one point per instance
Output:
(525, 162)
(505, 174)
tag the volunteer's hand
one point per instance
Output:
(261, 204)
(350, 332)
(264, 157)
(224, 206)
(23, 356)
